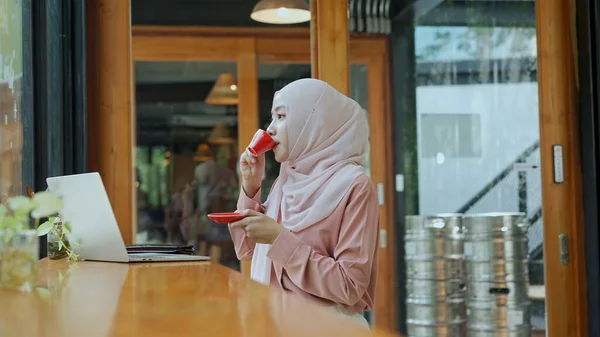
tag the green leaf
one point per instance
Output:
(3, 210)
(67, 228)
(44, 228)
(21, 204)
(43, 293)
(22, 218)
(11, 223)
(46, 204)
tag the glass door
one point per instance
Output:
(472, 152)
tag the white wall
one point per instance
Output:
(509, 125)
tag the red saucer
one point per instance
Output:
(227, 217)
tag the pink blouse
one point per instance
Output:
(329, 262)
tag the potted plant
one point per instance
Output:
(19, 247)
(59, 246)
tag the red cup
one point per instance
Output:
(261, 143)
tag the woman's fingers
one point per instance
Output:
(249, 158)
(245, 222)
(239, 224)
(251, 217)
(250, 213)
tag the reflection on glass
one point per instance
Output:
(186, 154)
(359, 91)
(11, 75)
(472, 147)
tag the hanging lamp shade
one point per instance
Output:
(203, 153)
(281, 12)
(224, 91)
(220, 135)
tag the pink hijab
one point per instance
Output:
(328, 144)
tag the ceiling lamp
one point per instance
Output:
(220, 135)
(281, 12)
(203, 153)
(224, 91)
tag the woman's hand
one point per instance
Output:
(252, 170)
(258, 227)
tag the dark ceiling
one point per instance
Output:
(236, 13)
(193, 12)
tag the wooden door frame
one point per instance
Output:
(562, 200)
(147, 45)
(251, 46)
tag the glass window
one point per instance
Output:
(186, 154)
(471, 146)
(11, 74)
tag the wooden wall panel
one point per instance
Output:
(184, 48)
(297, 50)
(562, 201)
(385, 304)
(111, 124)
(248, 114)
(329, 38)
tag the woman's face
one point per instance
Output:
(278, 129)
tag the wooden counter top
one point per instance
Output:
(96, 299)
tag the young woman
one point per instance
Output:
(317, 233)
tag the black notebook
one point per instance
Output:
(160, 248)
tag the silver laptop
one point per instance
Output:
(94, 227)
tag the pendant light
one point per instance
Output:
(203, 153)
(220, 135)
(281, 12)
(224, 91)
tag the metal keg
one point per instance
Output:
(496, 255)
(495, 269)
(435, 276)
(434, 268)
(510, 320)
(436, 317)
(437, 330)
(451, 288)
(434, 247)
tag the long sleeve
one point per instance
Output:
(345, 277)
(244, 247)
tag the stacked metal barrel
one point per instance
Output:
(496, 256)
(435, 276)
